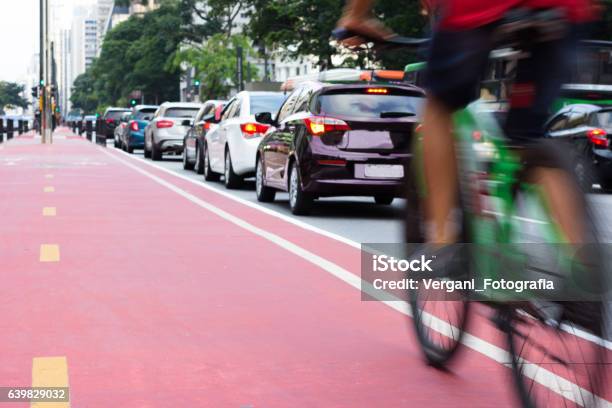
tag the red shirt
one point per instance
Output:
(466, 14)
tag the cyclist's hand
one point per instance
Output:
(366, 29)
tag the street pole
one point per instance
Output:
(41, 63)
(49, 134)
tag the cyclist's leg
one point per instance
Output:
(454, 69)
(538, 82)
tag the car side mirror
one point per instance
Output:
(187, 122)
(265, 118)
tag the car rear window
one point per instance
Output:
(605, 119)
(181, 113)
(266, 103)
(359, 104)
(115, 114)
(140, 115)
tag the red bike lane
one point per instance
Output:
(156, 301)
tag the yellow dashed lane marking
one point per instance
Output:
(49, 211)
(49, 189)
(49, 253)
(50, 372)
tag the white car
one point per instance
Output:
(166, 131)
(231, 147)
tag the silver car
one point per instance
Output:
(169, 125)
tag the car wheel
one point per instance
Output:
(264, 193)
(383, 199)
(199, 163)
(186, 164)
(156, 155)
(584, 175)
(129, 148)
(116, 143)
(300, 201)
(232, 180)
(209, 175)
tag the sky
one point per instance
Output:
(19, 33)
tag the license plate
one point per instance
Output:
(390, 171)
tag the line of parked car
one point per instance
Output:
(319, 139)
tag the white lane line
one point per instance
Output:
(573, 330)
(547, 379)
(250, 204)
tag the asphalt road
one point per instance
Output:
(355, 218)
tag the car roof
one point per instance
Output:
(357, 85)
(114, 109)
(584, 106)
(181, 105)
(141, 107)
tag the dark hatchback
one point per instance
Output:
(588, 130)
(109, 121)
(338, 140)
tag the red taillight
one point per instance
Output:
(319, 125)
(598, 137)
(163, 124)
(134, 126)
(109, 121)
(338, 162)
(207, 125)
(477, 135)
(252, 129)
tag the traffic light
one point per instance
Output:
(35, 92)
(197, 82)
(133, 102)
(42, 82)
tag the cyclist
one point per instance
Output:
(463, 37)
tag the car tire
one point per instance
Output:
(264, 193)
(383, 199)
(199, 163)
(186, 164)
(156, 155)
(116, 143)
(232, 180)
(300, 202)
(147, 153)
(209, 175)
(128, 148)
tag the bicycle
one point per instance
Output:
(544, 338)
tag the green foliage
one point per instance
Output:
(135, 55)
(216, 64)
(204, 18)
(10, 95)
(83, 95)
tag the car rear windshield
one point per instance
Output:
(115, 114)
(359, 104)
(181, 113)
(141, 114)
(266, 103)
(605, 119)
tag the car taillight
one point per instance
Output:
(110, 121)
(319, 125)
(162, 124)
(134, 126)
(377, 91)
(252, 129)
(207, 125)
(598, 137)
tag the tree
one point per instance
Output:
(302, 28)
(83, 95)
(216, 65)
(10, 95)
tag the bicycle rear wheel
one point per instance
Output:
(557, 353)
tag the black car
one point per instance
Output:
(587, 129)
(194, 139)
(338, 140)
(109, 121)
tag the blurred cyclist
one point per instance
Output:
(463, 38)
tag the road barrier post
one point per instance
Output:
(20, 126)
(88, 129)
(1, 130)
(10, 128)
